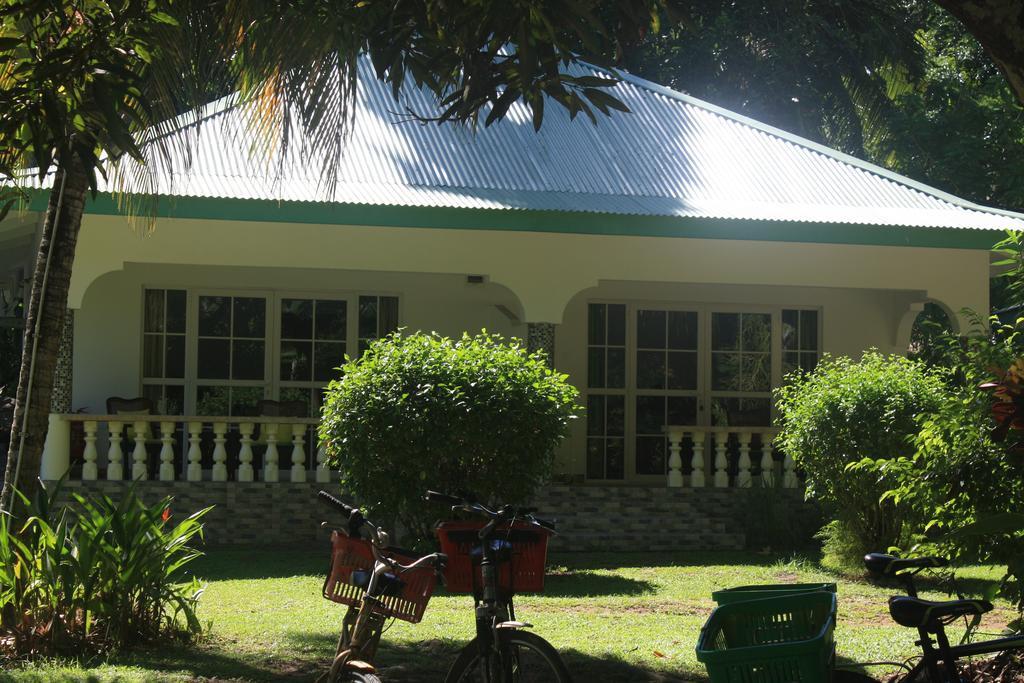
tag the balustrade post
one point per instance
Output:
(721, 462)
(270, 467)
(89, 470)
(115, 467)
(56, 456)
(697, 479)
(167, 451)
(789, 479)
(675, 460)
(298, 452)
(220, 453)
(743, 476)
(139, 470)
(323, 473)
(767, 461)
(195, 455)
(245, 471)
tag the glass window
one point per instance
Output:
(231, 354)
(606, 346)
(800, 348)
(163, 349)
(666, 355)
(741, 359)
(378, 317)
(606, 432)
(606, 412)
(313, 344)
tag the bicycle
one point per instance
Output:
(482, 559)
(938, 662)
(377, 582)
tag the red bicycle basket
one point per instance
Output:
(523, 573)
(351, 554)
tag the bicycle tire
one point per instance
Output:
(349, 677)
(846, 676)
(545, 665)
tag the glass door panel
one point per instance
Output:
(231, 354)
(667, 382)
(740, 369)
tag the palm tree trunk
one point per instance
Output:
(47, 305)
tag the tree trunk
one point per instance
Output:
(45, 308)
(999, 27)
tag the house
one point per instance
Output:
(676, 262)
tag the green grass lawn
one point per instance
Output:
(615, 618)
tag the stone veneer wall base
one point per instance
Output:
(590, 518)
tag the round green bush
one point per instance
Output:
(473, 415)
(850, 425)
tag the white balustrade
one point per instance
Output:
(789, 479)
(107, 447)
(195, 455)
(115, 468)
(323, 472)
(675, 460)
(721, 461)
(767, 460)
(139, 469)
(744, 479)
(697, 479)
(298, 452)
(90, 454)
(220, 453)
(245, 430)
(166, 451)
(270, 466)
(719, 478)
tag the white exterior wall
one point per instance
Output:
(867, 295)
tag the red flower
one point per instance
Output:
(166, 515)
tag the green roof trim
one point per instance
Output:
(267, 211)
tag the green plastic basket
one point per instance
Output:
(786, 639)
(773, 590)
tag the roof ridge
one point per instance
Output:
(804, 142)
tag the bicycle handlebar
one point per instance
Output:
(506, 513)
(334, 502)
(378, 537)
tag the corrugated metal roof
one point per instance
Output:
(672, 155)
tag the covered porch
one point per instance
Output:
(674, 342)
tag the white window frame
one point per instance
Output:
(271, 383)
(703, 392)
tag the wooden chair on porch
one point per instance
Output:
(130, 407)
(271, 408)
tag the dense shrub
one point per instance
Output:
(964, 484)
(96, 575)
(848, 425)
(421, 411)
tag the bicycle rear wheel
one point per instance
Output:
(531, 659)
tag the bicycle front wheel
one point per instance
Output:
(529, 659)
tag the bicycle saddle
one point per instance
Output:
(880, 563)
(929, 615)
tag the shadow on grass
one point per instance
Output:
(651, 560)
(583, 583)
(222, 564)
(427, 661)
(162, 662)
(269, 562)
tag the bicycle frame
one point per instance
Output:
(494, 610)
(944, 652)
(363, 624)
